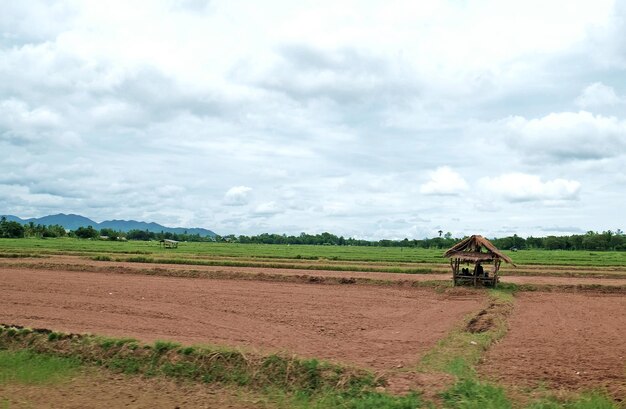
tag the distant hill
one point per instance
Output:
(74, 221)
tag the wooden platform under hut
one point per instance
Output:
(481, 261)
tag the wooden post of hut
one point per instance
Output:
(478, 252)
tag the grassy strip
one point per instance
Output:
(29, 368)
(459, 352)
(298, 382)
(590, 288)
(208, 364)
(290, 266)
(20, 255)
(585, 401)
(470, 393)
(462, 349)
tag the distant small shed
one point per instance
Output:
(168, 244)
(476, 251)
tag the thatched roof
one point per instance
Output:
(471, 249)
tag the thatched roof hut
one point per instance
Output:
(475, 250)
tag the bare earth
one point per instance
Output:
(567, 341)
(368, 326)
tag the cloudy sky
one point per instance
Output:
(373, 119)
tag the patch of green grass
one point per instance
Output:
(138, 259)
(186, 350)
(354, 399)
(126, 365)
(473, 394)
(459, 352)
(102, 257)
(461, 349)
(27, 367)
(369, 400)
(585, 401)
(164, 346)
(107, 342)
(52, 336)
(208, 364)
(504, 295)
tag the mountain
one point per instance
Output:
(74, 221)
(69, 221)
(14, 219)
(126, 225)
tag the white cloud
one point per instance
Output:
(267, 209)
(521, 187)
(598, 95)
(14, 113)
(566, 136)
(444, 181)
(237, 196)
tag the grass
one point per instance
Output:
(469, 393)
(204, 363)
(365, 400)
(266, 264)
(296, 383)
(294, 252)
(29, 368)
(461, 350)
(585, 401)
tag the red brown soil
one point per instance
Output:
(76, 262)
(377, 327)
(567, 341)
(103, 390)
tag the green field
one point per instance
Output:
(390, 255)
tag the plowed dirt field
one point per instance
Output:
(564, 341)
(365, 325)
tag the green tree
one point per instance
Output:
(10, 229)
(86, 232)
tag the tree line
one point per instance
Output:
(12, 229)
(606, 240)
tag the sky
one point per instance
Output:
(370, 119)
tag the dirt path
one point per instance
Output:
(369, 326)
(569, 341)
(76, 262)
